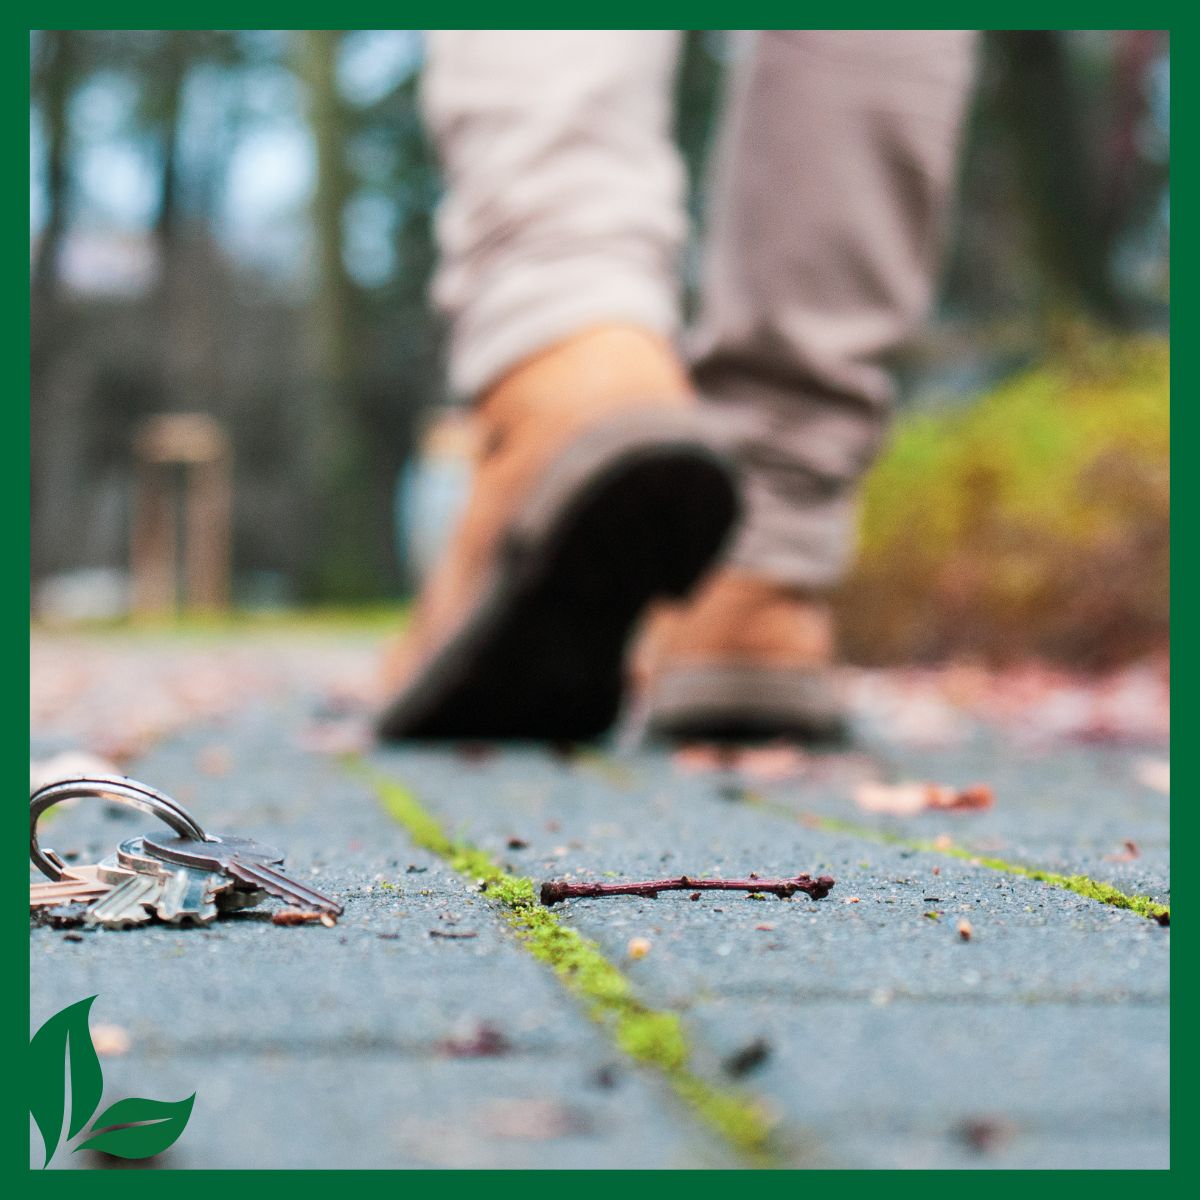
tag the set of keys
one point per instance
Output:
(188, 878)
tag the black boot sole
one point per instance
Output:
(541, 655)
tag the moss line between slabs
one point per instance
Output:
(650, 1037)
(1081, 885)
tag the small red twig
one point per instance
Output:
(556, 890)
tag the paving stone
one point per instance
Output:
(884, 1039)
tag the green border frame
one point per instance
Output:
(15, 483)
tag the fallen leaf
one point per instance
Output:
(907, 799)
(484, 1041)
(985, 1134)
(1154, 773)
(110, 1041)
(301, 916)
(1130, 852)
(978, 795)
(765, 927)
(898, 799)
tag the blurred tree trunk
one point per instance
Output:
(180, 345)
(344, 556)
(1062, 187)
(56, 439)
(1134, 54)
(54, 77)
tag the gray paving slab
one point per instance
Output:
(883, 1038)
(325, 1047)
(1053, 1010)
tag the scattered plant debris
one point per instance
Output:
(516, 843)
(461, 935)
(986, 1134)
(965, 930)
(747, 1058)
(638, 947)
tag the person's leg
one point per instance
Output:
(595, 490)
(834, 175)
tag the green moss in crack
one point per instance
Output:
(1081, 885)
(653, 1038)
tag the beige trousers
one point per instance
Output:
(834, 171)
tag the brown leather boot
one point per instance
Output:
(744, 658)
(596, 490)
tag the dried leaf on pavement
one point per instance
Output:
(908, 799)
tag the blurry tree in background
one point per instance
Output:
(240, 223)
(234, 223)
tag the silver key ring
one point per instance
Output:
(120, 788)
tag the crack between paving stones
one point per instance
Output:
(653, 1038)
(1081, 885)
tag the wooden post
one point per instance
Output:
(188, 451)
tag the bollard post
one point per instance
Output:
(182, 466)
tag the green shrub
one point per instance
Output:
(1036, 521)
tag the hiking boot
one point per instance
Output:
(744, 659)
(590, 498)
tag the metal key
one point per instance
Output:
(77, 885)
(188, 894)
(248, 862)
(129, 903)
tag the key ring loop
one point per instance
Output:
(120, 788)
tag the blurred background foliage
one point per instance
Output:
(240, 223)
(1035, 522)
